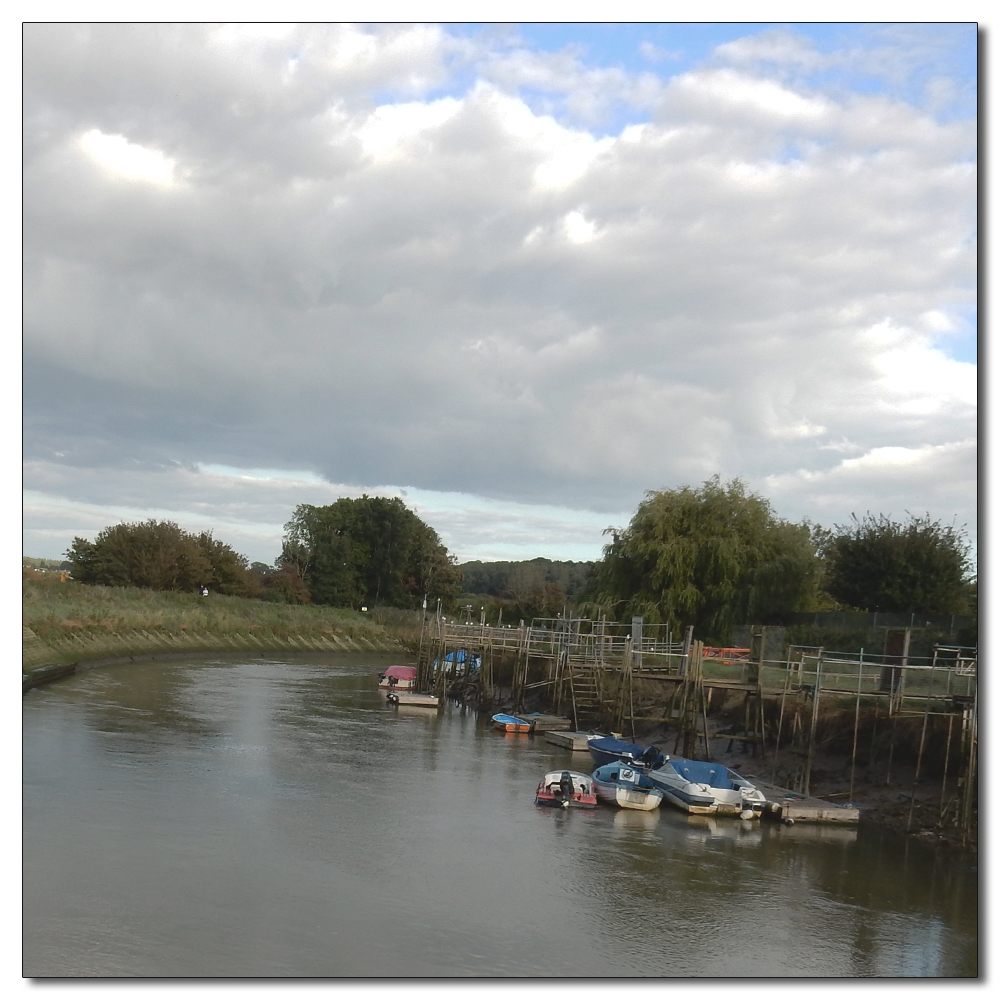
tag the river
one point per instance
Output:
(261, 818)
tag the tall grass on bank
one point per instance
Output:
(56, 610)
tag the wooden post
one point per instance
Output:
(810, 750)
(857, 711)
(947, 752)
(781, 717)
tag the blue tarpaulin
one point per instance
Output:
(702, 772)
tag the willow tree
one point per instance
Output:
(711, 557)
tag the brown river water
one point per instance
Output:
(264, 818)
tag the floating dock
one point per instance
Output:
(414, 700)
(572, 741)
(786, 805)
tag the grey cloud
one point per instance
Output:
(419, 313)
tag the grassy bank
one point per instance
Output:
(68, 622)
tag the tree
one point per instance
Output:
(372, 550)
(711, 557)
(158, 555)
(920, 565)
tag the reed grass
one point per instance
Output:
(57, 611)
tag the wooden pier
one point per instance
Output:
(613, 677)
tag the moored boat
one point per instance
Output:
(628, 787)
(563, 789)
(511, 724)
(611, 750)
(698, 786)
(398, 678)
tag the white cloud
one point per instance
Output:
(385, 132)
(128, 160)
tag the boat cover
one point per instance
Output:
(401, 673)
(702, 772)
(608, 774)
(609, 745)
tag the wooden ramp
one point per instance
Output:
(572, 741)
(784, 804)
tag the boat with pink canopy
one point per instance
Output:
(397, 678)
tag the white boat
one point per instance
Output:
(621, 785)
(698, 786)
(563, 789)
(398, 678)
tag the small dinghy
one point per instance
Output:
(628, 787)
(511, 724)
(563, 789)
(397, 678)
(697, 786)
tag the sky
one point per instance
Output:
(517, 274)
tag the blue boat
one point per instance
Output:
(511, 724)
(698, 786)
(608, 750)
(628, 787)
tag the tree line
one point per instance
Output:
(713, 556)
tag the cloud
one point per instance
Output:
(377, 261)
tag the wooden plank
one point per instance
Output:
(547, 723)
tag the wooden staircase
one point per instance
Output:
(585, 697)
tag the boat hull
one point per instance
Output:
(552, 790)
(400, 685)
(511, 724)
(628, 798)
(701, 788)
(625, 787)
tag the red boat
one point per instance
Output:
(563, 789)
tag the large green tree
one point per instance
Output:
(158, 555)
(712, 557)
(917, 565)
(372, 550)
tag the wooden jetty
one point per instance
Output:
(625, 676)
(790, 806)
(572, 741)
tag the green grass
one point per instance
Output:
(95, 620)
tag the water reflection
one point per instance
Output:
(264, 818)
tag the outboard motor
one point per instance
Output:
(566, 787)
(652, 757)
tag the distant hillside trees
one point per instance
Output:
(918, 565)
(160, 556)
(372, 550)
(532, 588)
(714, 557)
